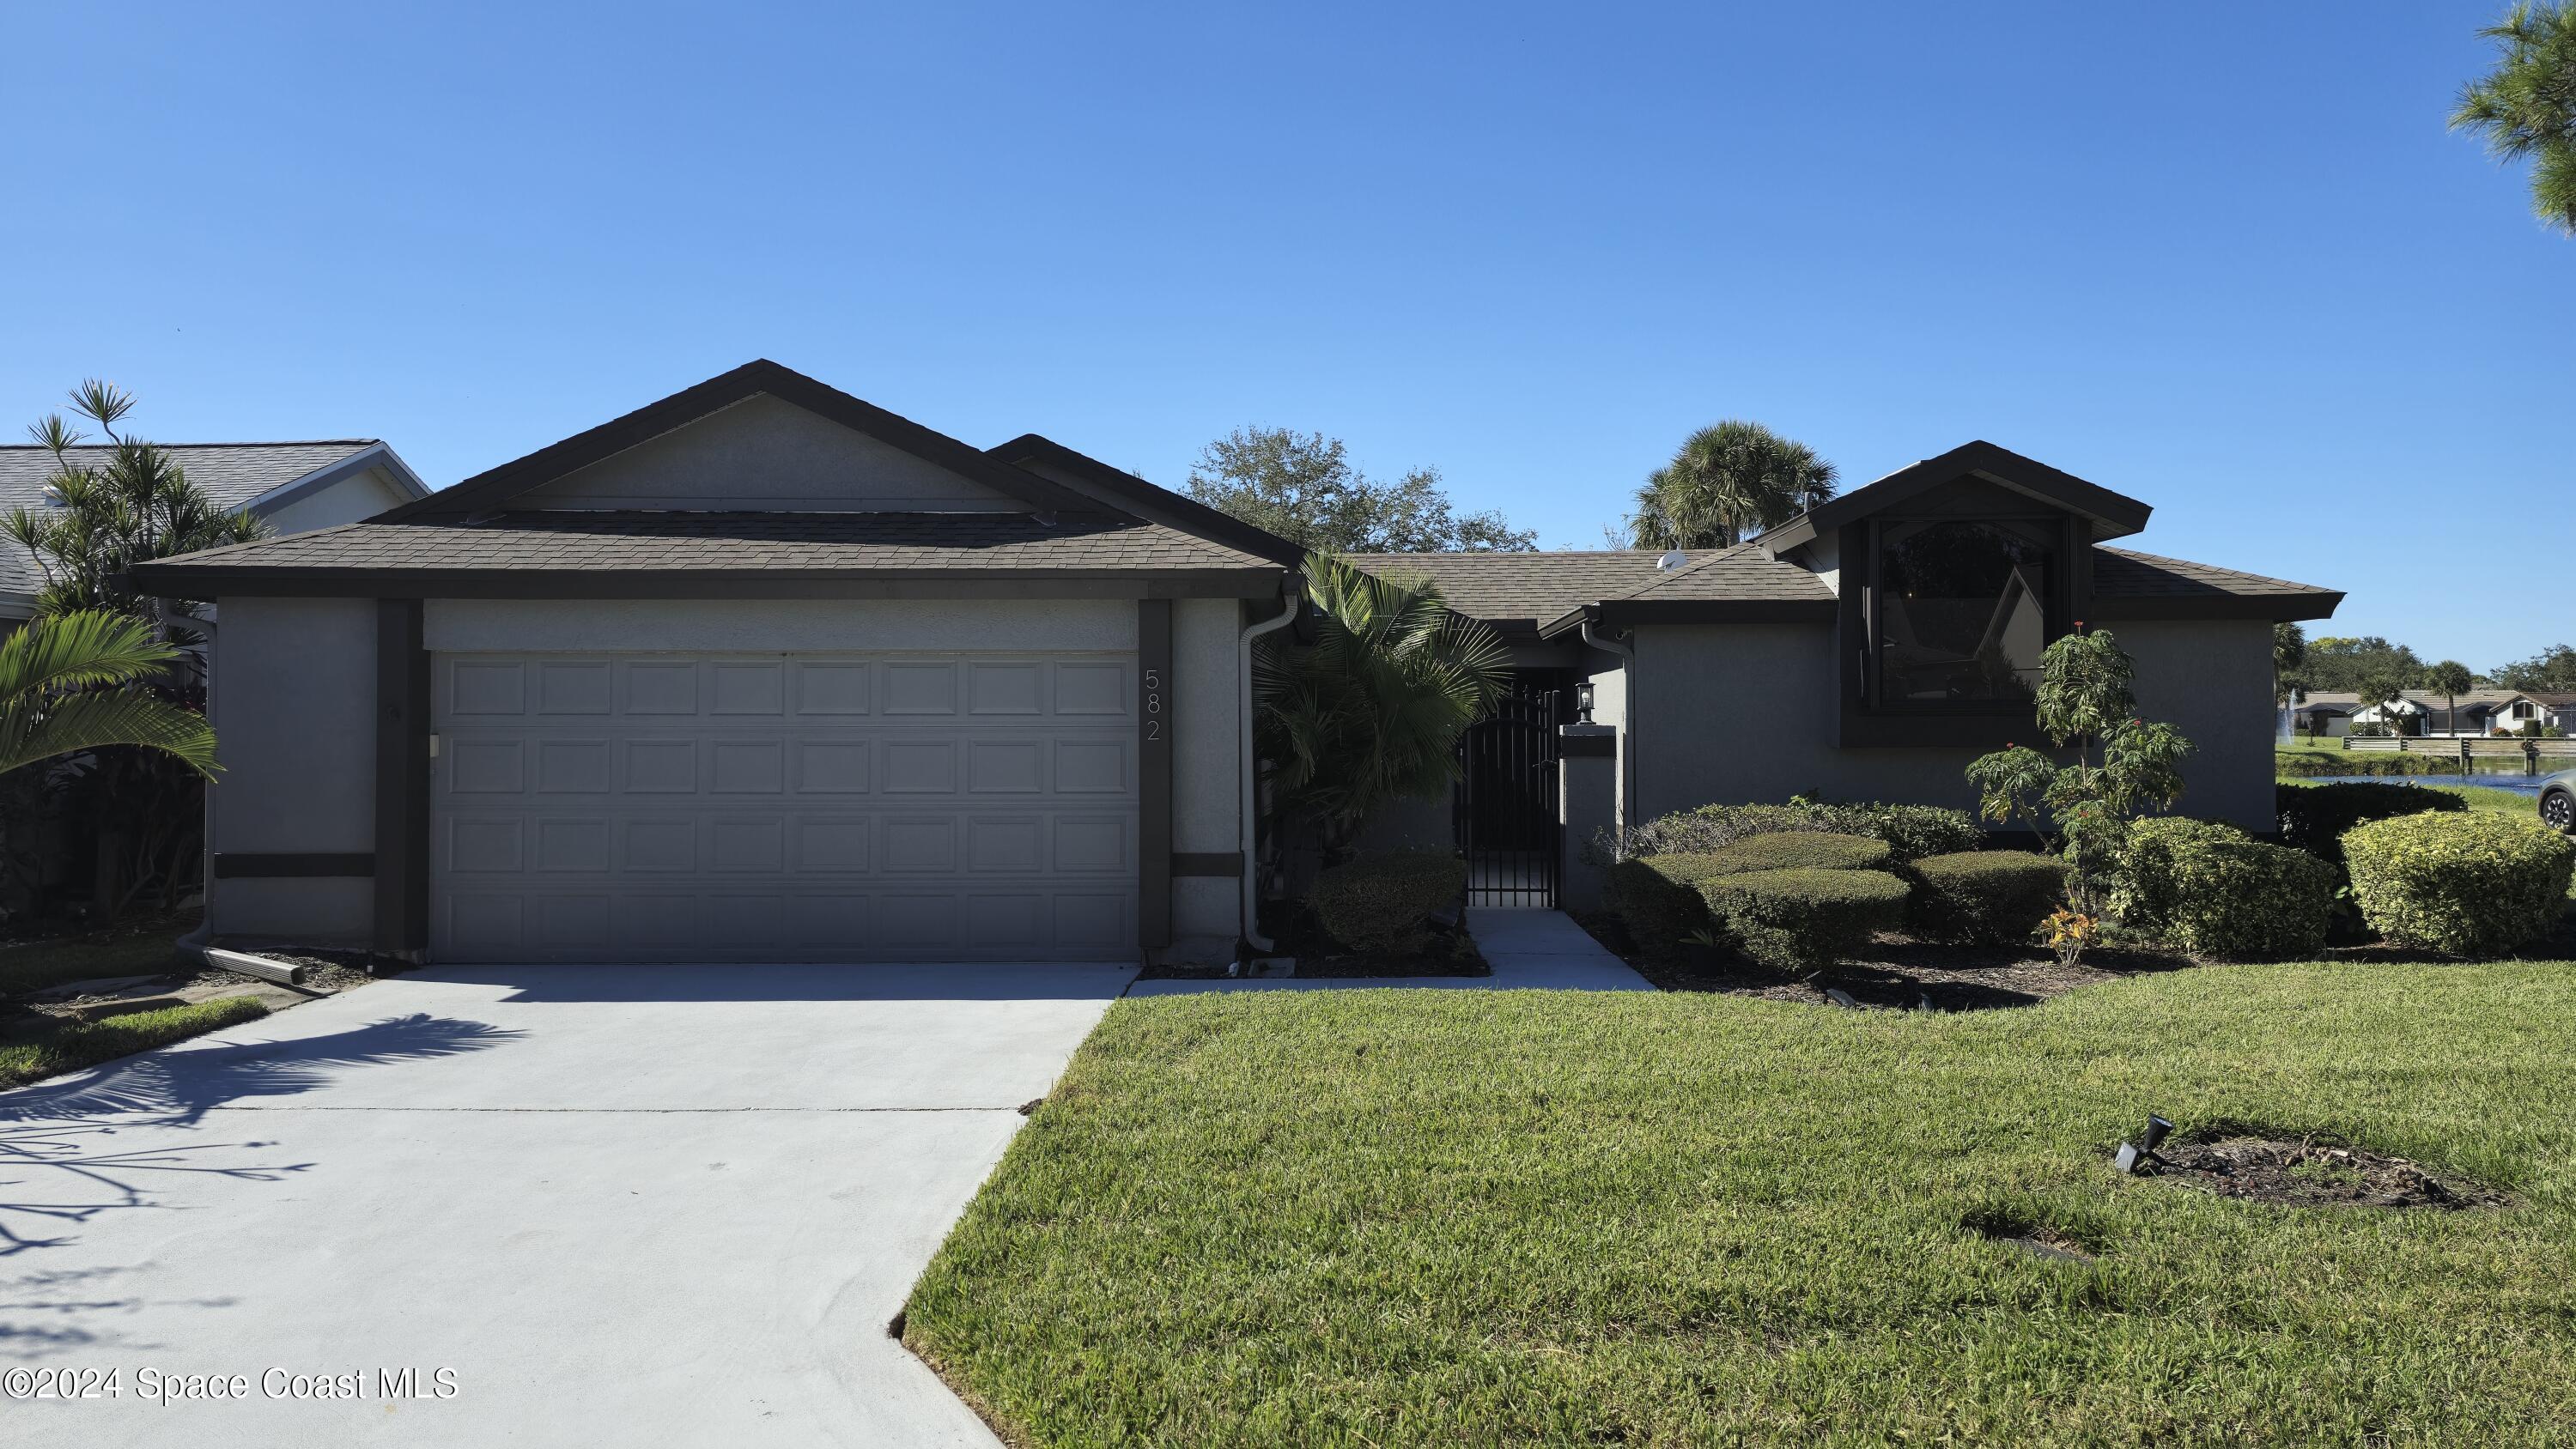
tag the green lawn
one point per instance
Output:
(71, 1047)
(1399, 1218)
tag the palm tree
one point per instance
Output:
(1727, 483)
(2452, 678)
(75, 682)
(2526, 106)
(1372, 712)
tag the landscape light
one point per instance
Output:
(1583, 702)
(2132, 1155)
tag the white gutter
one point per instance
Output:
(1627, 722)
(1251, 768)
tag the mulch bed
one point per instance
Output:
(1452, 952)
(2309, 1173)
(1900, 975)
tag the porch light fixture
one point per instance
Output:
(2133, 1155)
(1583, 702)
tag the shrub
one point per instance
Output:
(2215, 891)
(1657, 897)
(1800, 850)
(1909, 830)
(1382, 903)
(2314, 817)
(1984, 897)
(2470, 885)
(1803, 921)
(2303, 762)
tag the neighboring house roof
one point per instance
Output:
(596, 553)
(1053, 460)
(259, 477)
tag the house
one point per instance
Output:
(1867, 650)
(291, 487)
(2472, 712)
(763, 672)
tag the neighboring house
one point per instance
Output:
(2324, 713)
(2473, 712)
(291, 487)
(763, 672)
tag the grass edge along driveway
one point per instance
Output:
(1388, 1217)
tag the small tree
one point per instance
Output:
(2080, 809)
(2526, 106)
(1303, 487)
(1372, 712)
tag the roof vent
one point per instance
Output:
(54, 495)
(1671, 561)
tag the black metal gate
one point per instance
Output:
(1506, 809)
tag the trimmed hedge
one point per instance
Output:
(1657, 897)
(1803, 921)
(2215, 891)
(2472, 885)
(1984, 897)
(1801, 850)
(1382, 904)
(1911, 831)
(2314, 817)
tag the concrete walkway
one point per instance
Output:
(621, 1205)
(1528, 949)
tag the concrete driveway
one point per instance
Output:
(588, 1205)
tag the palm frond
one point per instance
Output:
(33, 731)
(82, 650)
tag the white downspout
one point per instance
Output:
(1627, 722)
(1251, 768)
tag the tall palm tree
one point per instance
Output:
(1727, 483)
(1372, 712)
(74, 682)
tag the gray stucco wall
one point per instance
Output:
(1738, 713)
(764, 453)
(294, 703)
(1207, 758)
(347, 501)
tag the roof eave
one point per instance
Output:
(1151, 501)
(2274, 608)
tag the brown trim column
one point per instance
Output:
(1154, 720)
(402, 780)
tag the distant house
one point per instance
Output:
(291, 487)
(2472, 712)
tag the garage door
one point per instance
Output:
(657, 807)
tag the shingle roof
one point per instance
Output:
(1519, 587)
(230, 474)
(1739, 573)
(2123, 574)
(656, 542)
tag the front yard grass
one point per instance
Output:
(1418, 1217)
(74, 1045)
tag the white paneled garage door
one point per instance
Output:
(725, 807)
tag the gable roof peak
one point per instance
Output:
(494, 487)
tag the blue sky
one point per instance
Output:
(2223, 257)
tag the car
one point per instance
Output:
(2558, 801)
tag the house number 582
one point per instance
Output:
(1153, 705)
